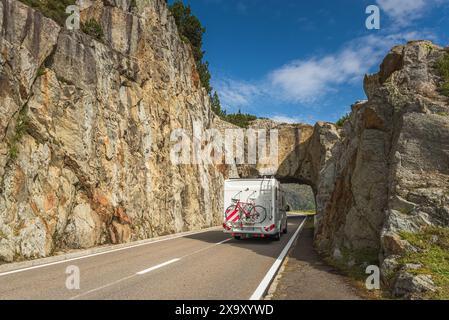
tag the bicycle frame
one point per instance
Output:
(248, 204)
(241, 207)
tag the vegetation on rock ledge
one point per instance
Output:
(242, 120)
(53, 9)
(20, 130)
(342, 120)
(443, 69)
(433, 255)
(93, 28)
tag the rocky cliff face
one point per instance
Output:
(385, 172)
(85, 131)
(299, 197)
(391, 163)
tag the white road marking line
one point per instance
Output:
(157, 267)
(204, 249)
(102, 287)
(224, 241)
(145, 271)
(99, 253)
(263, 286)
(178, 259)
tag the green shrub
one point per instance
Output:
(443, 70)
(41, 71)
(444, 89)
(242, 120)
(205, 76)
(13, 152)
(239, 119)
(342, 120)
(53, 9)
(216, 105)
(22, 125)
(443, 66)
(93, 28)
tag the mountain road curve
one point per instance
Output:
(208, 265)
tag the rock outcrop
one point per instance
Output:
(385, 172)
(392, 162)
(86, 131)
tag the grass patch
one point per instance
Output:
(443, 70)
(433, 255)
(21, 128)
(94, 29)
(445, 88)
(53, 9)
(353, 264)
(429, 46)
(41, 71)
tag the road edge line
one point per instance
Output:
(17, 267)
(271, 274)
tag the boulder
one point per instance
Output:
(409, 286)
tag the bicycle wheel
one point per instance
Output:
(232, 214)
(258, 214)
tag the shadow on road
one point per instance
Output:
(266, 246)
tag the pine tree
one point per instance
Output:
(216, 105)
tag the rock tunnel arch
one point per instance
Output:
(305, 157)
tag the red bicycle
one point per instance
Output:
(245, 212)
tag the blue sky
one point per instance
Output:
(304, 61)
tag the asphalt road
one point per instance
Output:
(208, 265)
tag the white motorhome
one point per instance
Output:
(254, 208)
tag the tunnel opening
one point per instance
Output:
(299, 197)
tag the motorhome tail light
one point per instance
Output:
(270, 228)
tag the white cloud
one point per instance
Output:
(235, 94)
(404, 12)
(309, 81)
(286, 119)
